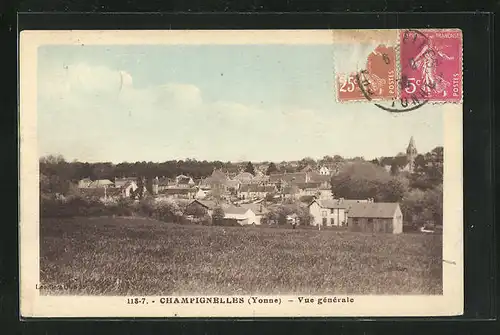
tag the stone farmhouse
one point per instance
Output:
(332, 212)
(376, 218)
(358, 215)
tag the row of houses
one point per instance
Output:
(363, 215)
(356, 215)
(243, 186)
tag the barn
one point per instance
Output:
(376, 217)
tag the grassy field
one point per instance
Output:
(121, 256)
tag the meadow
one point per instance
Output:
(135, 256)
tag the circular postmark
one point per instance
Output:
(409, 96)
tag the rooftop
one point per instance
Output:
(235, 210)
(373, 210)
(339, 203)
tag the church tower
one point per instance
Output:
(411, 154)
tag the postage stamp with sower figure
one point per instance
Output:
(431, 64)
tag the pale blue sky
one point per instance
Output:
(237, 102)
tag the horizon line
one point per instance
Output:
(228, 161)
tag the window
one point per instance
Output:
(332, 221)
(370, 220)
(331, 211)
(324, 221)
(324, 213)
(355, 221)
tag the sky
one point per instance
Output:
(127, 103)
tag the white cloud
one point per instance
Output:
(102, 109)
(178, 96)
(82, 78)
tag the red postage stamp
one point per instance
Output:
(431, 65)
(380, 72)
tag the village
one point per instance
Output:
(250, 199)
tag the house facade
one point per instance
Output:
(324, 171)
(376, 218)
(198, 206)
(184, 181)
(84, 183)
(255, 191)
(259, 211)
(328, 213)
(310, 188)
(244, 216)
(333, 212)
(120, 182)
(201, 193)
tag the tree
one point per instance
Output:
(362, 180)
(217, 215)
(149, 185)
(140, 188)
(250, 169)
(394, 169)
(305, 162)
(217, 190)
(168, 210)
(279, 213)
(271, 169)
(52, 159)
(420, 164)
(327, 159)
(421, 207)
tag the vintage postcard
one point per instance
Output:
(241, 173)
